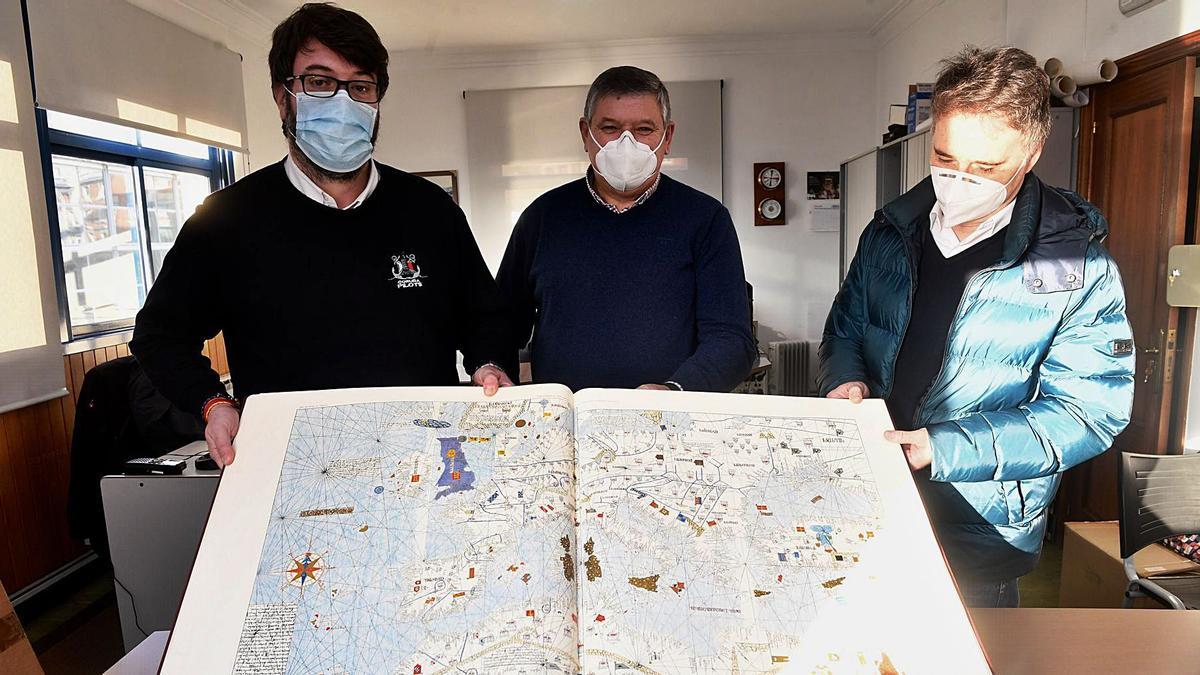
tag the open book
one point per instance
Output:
(433, 530)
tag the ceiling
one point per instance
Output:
(430, 25)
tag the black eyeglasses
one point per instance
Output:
(323, 86)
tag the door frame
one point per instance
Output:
(1132, 65)
(1179, 48)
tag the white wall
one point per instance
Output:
(912, 41)
(263, 134)
(1089, 29)
(922, 33)
(806, 102)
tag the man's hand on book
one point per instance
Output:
(855, 391)
(917, 448)
(491, 379)
(223, 421)
(655, 387)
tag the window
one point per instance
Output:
(120, 196)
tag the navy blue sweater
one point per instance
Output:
(651, 295)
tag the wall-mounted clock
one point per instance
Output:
(769, 197)
(770, 208)
(770, 177)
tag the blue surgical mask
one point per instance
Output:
(335, 132)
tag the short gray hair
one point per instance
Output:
(624, 80)
(1005, 81)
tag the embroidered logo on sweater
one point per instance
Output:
(405, 271)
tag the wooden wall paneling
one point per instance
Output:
(77, 370)
(21, 534)
(34, 478)
(61, 456)
(30, 472)
(45, 473)
(68, 402)
(8, 510)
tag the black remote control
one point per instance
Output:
(155, 466)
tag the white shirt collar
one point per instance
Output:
(949, 243)
(308, 188)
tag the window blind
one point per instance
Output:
(31, 365)
(109, 60)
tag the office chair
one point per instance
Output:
(1159, 497)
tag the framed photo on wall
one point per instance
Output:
(447, 180)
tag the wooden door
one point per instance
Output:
(1135, 169)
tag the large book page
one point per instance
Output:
(753, 534)
(390, 531)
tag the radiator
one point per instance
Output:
(793, 368)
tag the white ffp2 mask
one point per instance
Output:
(625, 162)
(963, 197)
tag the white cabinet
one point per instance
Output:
(875, 178)
(915, 151)
(859, 201)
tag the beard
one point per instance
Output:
(306, 164)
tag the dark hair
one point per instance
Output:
(623, 80)
(341, 30)
(1005, 81)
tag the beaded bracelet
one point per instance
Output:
(216, 402)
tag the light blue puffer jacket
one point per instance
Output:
(1037, 375)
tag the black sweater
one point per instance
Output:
(651, 295)
(940, 283)
(311, 297)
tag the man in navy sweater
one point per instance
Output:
(625, 277)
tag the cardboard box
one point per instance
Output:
(16, 655)
(920, 108)
(1093, 574)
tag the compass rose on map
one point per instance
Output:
(304, 570)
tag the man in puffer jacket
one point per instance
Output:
(983, 308)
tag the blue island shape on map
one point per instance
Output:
(455, 477)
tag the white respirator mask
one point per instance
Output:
(626, 162)
(963, 197)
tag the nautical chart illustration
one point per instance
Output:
(433, 530)
(714, 539)
(416, 538)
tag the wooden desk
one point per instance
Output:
(1024, 641)
(1091, 641)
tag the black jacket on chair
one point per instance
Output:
(119, 416)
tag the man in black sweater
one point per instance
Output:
(326, 270)
(626, 277)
